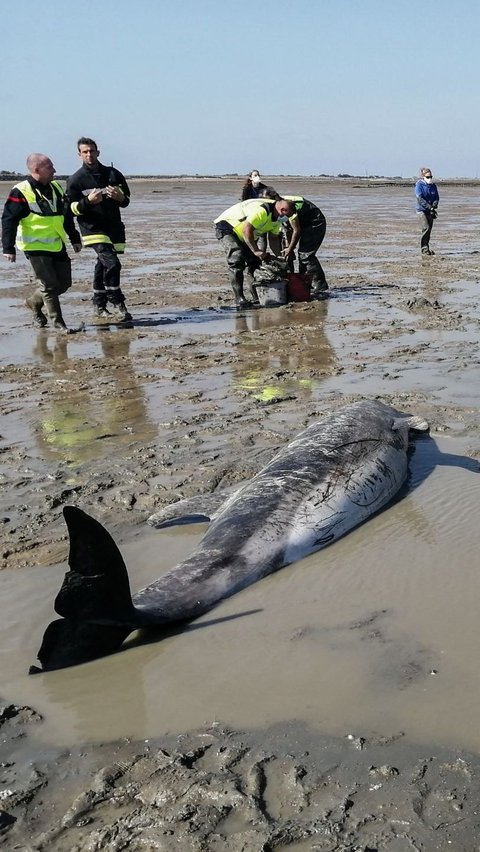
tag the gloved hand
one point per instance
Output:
(433, 213)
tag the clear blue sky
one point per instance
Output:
(215, 86)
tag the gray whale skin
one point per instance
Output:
(330, 478)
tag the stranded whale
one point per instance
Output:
(330, 478)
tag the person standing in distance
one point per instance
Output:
(96, 195)
(36, 219)
(427, 199)
(253, 186)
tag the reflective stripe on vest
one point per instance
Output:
(102, 239)
(42, 229)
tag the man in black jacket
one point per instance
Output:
(96, 194)
(36, 219)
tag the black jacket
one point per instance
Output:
(16, 208)
(103, 218)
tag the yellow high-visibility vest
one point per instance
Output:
(42, 229)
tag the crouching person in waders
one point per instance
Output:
(239, 228)
(308, 226)
(37, 220)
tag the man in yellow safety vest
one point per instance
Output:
(36, 220)
(239, 228)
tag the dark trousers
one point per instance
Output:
(238, 254)
(426, 220)
(106, 276)
(312, 236)
(238, 257)
(54, 273)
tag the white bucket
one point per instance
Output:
(273, 294)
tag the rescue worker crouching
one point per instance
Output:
(238, 229)
(308, 231)
(96, 194)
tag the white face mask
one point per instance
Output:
(428, 180)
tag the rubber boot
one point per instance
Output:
(35, 303)
(52, 304)
(249, 289)
(319, 289)
(237, 287)
(101, 312)
(121, 312)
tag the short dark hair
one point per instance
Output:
(270, 192)
(85, 140)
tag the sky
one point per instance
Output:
(215, 87)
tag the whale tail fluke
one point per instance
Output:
(94, 600)
(67, 642)
(97, 586)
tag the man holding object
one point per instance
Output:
(96, 194)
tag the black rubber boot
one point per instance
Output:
(52, 304)
(237, 287)
(319, 289)
(100, 311)
(121, 312)
(35, 303)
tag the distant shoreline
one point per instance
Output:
(350, 180)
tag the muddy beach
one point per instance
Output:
(332, 706)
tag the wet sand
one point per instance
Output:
(364, 655)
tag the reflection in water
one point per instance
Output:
(424, 457)
(90, 402)
(103, 700)
(282, 351)
(123, 694)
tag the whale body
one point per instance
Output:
(328, 480)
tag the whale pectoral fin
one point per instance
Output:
(67, 642)
(417, 424)
(96, 587)
(191, 510)
(181, 521)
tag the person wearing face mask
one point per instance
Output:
(308, 228)
(239, 229)
(427, 198)
(253, 187)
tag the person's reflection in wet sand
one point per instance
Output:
(57, 356)
(127, 410)
(80, 413)
(282, 351)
